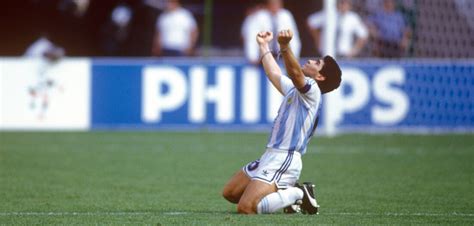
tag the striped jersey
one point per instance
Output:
(297, 117)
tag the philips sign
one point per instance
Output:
(229, 94)
(167, 89)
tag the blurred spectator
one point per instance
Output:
(250, 18)
(176, 31)
(43, 47)
(351, 33)
(248, 26)
(389, 30)
(78, 8)
(273, 17)
(115, 32)
(142, 28)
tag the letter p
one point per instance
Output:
(157, 99)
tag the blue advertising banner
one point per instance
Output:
(417, 94)
(179, 94)
(228, 93)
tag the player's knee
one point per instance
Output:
(227, 195)
(245, 208)
(230, 195)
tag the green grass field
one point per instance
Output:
(176, 178)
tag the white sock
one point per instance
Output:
(279, 200)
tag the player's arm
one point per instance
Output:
(272, 70)
(292, 65)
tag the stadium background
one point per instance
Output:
(107, 170)
(433, 22)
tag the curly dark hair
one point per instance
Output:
(332, 73)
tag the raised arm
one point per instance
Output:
(272, 70)
(292, 65)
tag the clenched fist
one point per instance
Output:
(264, 37)
(285, 36)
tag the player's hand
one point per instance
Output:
(264, 37)
(285, 36)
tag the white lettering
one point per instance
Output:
(336, 104)
(165, 90)
(250, 95)
(222, 94)
(155, 100)
(197, 103)
(392, 96)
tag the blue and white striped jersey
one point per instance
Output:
(297, 117)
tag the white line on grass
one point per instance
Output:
(453, 214)
(74, 213)
(404, 214)
(89, 213)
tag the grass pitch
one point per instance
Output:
(176, 178)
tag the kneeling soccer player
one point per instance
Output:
(269, 183)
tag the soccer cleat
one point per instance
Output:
(291, 209)
(309, 205)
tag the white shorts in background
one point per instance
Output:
(276, 166)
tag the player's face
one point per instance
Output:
(312, 67)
